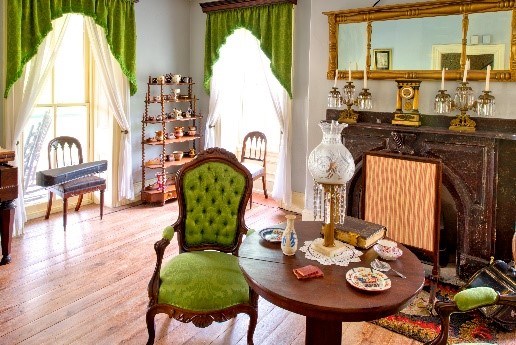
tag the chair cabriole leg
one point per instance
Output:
(150, 326)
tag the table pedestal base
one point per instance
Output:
(327, 332)
(6, 230)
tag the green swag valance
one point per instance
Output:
(28, 22)
(271, 24)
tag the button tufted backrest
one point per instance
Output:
(212, 195)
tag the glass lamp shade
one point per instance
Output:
(331, 162)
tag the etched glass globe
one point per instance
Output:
(331, 162)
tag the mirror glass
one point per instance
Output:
(489, 40)
(352, 44)
(409, 44)
(417, 40)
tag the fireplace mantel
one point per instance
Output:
(478, 172)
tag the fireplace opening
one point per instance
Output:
(448, 234)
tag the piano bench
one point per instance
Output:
(78, 187)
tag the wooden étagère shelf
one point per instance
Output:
(167, 124)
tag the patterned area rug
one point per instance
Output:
(417, 323)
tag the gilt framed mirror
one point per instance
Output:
(418, 40)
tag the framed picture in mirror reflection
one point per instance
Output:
(382, 59)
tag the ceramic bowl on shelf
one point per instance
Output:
(192, 133)
(178, 155)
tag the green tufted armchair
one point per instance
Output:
(204, 282)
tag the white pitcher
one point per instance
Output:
(289, 237)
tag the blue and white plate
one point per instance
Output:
(272, 234)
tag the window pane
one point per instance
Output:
(69, 66)
(73, 121)
(45, 95)
(37, 134)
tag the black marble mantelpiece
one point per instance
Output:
(479, 173)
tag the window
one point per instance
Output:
(62, 108)
(245, 78)
(247, 102)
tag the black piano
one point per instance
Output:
(8, 192)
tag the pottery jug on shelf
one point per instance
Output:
(289, 237)
(178, 131)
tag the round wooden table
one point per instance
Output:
(328, 301)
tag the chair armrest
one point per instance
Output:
(509, 300)
(159, 247)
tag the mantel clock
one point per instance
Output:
(407, 103)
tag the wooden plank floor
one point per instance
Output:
(89, 285)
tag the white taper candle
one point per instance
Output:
(488, 75)
(442, 80)
(465, 77)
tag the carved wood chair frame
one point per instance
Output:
(446, 308)
(203, 319)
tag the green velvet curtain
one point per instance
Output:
(271, 24)
(29, 21)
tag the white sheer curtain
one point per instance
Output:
(116, 88)
(282, 189)
(214, 114)
(245, 96)
(21, 101)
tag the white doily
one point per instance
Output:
(342, 259)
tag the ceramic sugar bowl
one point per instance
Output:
(387, 250)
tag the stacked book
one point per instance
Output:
(359, 233)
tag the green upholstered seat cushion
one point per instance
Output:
(203, 281)
(475, 297)
(212, 193)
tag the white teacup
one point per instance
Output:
(387, 246)
(176, 78)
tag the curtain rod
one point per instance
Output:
(232, 4)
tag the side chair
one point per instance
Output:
(204, 283)
(254, 154)
(66, 151)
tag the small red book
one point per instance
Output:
(309, 271)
